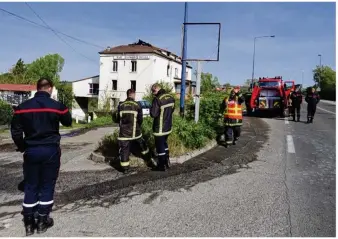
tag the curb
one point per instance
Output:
(328, 102)
(97, 158)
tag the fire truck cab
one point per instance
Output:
(270, 94)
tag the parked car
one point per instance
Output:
(145, 107)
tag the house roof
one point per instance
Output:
(84, 79)
(17, 87)
(142, 47)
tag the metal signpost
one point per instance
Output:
(198, 90)
(199, 62)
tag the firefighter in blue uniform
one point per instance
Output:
(162, 110)
(130, 118)
(296, 102)
(312, 99)
(231, 108)
(39, 119)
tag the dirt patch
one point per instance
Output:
(11, 147)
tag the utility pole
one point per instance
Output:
(184, 53)
(302, 77)
(198, 90)
(253, 58)
(320, 70)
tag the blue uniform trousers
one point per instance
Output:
(161, 144)
(41, 169)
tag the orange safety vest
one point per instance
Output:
(233, 110)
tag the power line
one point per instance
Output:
(55, 33)
(39, 25)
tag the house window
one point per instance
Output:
(133, 66)
(93, 89)
(115, 66)
(178, 88)
(168, 70)
(176, 72)
(114, 85)
(133, 84)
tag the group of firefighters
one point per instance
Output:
(35, 131)
(295, 101)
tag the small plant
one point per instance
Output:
(6, 113)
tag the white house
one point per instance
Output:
(84, 90)
(137, 66)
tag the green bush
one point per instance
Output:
(6, 113)
(328, 94)
(65, 94)
(186, 135)
(100, 121)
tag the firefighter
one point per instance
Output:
(39, 119)
(233, 117)
(162, 110)
(130, 118)
(312, 99)
(296, 100)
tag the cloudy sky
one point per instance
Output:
(303, 30)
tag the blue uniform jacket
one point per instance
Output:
(39, 119)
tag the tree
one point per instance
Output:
(325, 77)
(47, 66)
(65, 94)
(208, 83)
(19, 69)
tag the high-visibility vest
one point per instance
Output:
(233, 109)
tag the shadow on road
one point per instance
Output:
(104, 188)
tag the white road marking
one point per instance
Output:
(286, 120)
(291, 146)
(326, 110)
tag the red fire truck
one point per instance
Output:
(270, 95)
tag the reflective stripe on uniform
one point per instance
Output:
(161, 154)
(124, 164)
(163, 107)
(233, 110)
(145, 152)
(30, 204)
(162, 134)
(126, 138)
(134, 124)
(46, 203)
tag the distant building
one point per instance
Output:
(15, 94)
(136, 66)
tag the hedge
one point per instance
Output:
(6, 113)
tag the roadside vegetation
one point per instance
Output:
(186, 135)
(325, 77)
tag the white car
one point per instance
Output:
(145, 107)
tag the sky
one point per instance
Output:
(302, 30)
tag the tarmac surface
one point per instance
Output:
(278, 181)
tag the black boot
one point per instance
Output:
(150, 162)
(293, 118)
(311, 120)
(298, 118)
(29, 224)
(167, 159)
(44, 222)
(161, 163)
(308, 120)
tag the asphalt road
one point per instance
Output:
(311, 172)
(288, 190)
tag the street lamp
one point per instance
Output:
(320, 70)
(253, 60)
